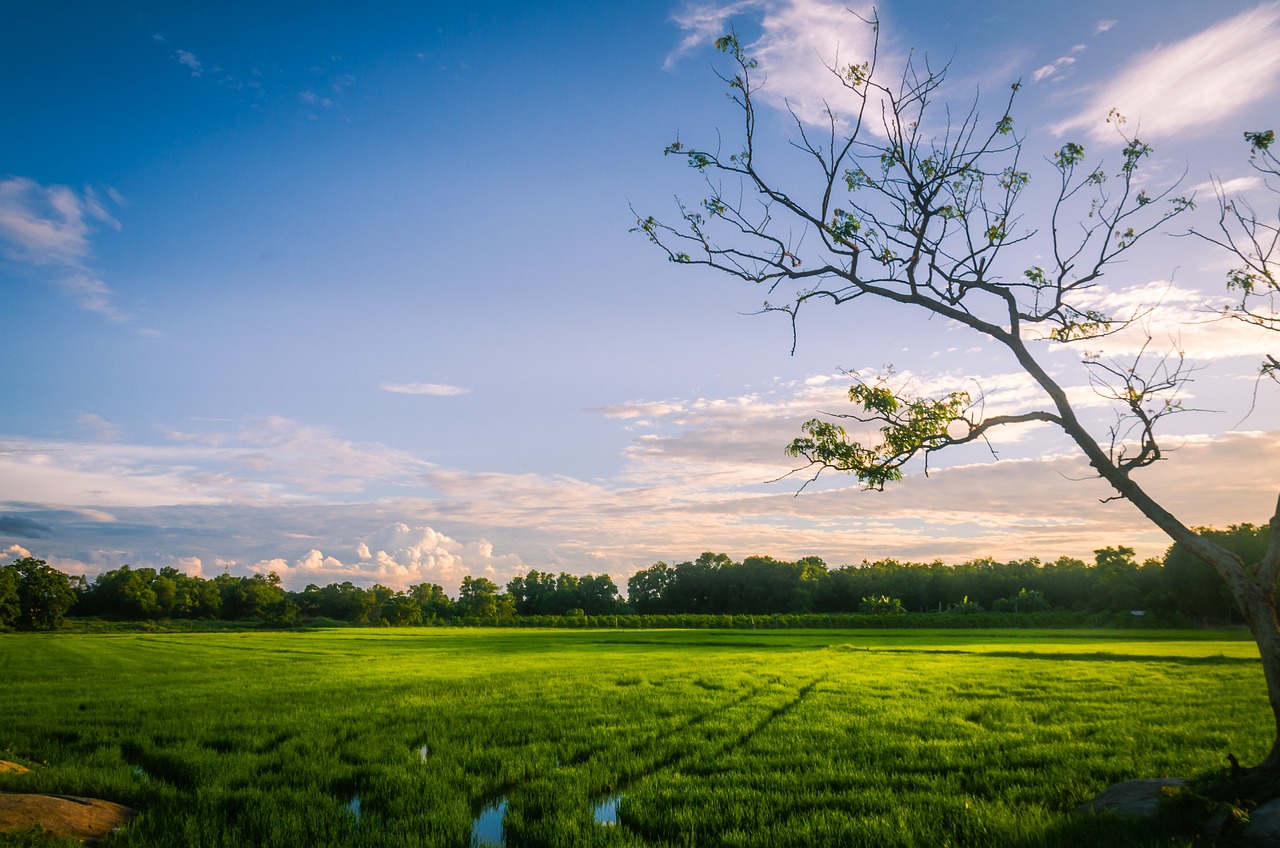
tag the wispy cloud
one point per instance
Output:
(1059, 64)
(1104, 26)
(101, 429)
(700, 473)
(703, 23)
(51, 227)
(188, 60)
(799, 42)
(436, 389)
(1194, 85)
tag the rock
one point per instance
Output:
(1263, 829)
(1140, 798)
(86, 819)
(5, 765)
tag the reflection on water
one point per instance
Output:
(353, 806)
(487, 828)
(423, 752)
(606, 809)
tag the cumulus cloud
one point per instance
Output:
(1193, 86)
(436, 389)
(276, 494)
(15, 552)
(51, 227)
(399, 556)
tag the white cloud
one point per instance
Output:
(1104, 26)
(15, 552)
(48, 225)
(275, 494)
(1045, 71)
(1192, 86)
(436, 389)
(799, 41)
(1173, 316)
(51, 226)
(639, 409)
(267, 460)
(399, 556)
(705, 22)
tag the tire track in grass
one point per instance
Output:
(686, 761)
(601, 758)
(658, 735)
(718, 749)
(658, 751)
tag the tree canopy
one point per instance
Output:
(918, 204)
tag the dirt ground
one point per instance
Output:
(86, 819)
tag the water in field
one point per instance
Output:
(487, 828)
(423, 752)
(605, 810)
(353, 806)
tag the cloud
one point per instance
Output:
(15, 551)
(102, 429)
(1173, 316)
(399, 556)
(1104, 26)
(700, 473)
(264, 460)
(15, 526)
(436, 389)
(188, 60)
(1061, 63)
(51, 227)
(1193, 86)
(799, 41)
(705, 22)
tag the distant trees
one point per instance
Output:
(1177, 588)
(539, 593)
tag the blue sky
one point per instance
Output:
(351, 294)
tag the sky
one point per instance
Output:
(352, 292)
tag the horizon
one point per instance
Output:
(357, 298)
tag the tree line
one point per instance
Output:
(36, 596)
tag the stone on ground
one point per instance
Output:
(1140, 798)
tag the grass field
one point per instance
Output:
(656, 738)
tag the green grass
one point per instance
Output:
(735, 738)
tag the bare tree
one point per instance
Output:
(929, 214)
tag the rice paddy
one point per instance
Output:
(459, 737)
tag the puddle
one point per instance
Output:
(487, 828)
(353, 806)
(423, 753)
(141, 773)
(605, 811)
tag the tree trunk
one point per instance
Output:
(1263, 624)
(1254, 590)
